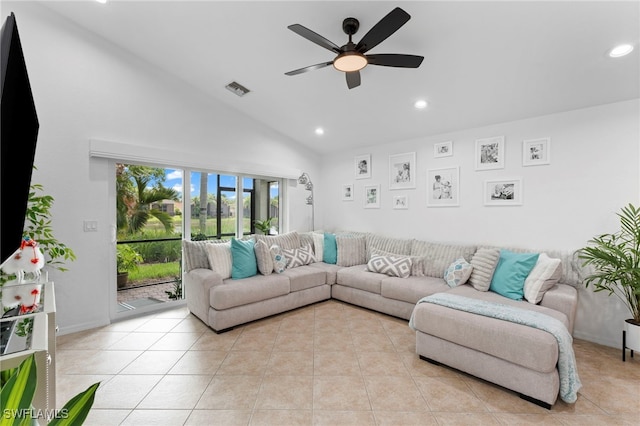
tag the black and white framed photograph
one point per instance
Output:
(400, 202)
(372, 196)
(503, 192)
(443, 149)
(443, 187)
(402, 171)
(536, 152)
(490, 153)
(363, 166)
(347, 192)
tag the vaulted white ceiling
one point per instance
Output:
(485, 62)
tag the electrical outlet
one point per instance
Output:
(90, 226)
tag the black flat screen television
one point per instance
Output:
(19, 133)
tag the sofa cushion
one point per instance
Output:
(484, 263)
(543, 276)
(440, 256)
(289, 240)
(358, 277)
(394, 266)
(304, 277)
(243, 257)
(263, 257)
(411, 289)
(388, 244)
(351, 250)
(330, 248)
(458, 272)
(234, 293)
(219, 256)
(299, 256)
(528, 347)
(511, 272)
(329, 269)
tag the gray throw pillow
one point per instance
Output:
(484, 263)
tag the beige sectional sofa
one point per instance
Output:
(515, 356)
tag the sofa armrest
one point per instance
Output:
(562, 298)
(197, 285)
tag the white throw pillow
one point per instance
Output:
(544, 275)
(219, 256)
(318, 245)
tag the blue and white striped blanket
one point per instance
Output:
(569, 380)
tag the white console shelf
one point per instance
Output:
(42, 344)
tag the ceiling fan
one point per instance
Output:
(351, 57)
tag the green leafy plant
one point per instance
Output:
(615, 259)
(18, 390)
(264, 226)
(127, 259)
(38, 227)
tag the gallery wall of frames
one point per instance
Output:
(443, 183)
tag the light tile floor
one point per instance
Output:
(324, 364)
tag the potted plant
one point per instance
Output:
(264, 226)
(127, 260)
(615, 259)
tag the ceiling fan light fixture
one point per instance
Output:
(350, 62)
(621, 50)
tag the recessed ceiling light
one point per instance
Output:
(420, 104)
(621, 50)
(319, 131)
(101, 1)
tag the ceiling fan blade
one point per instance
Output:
(395, 60)
(309, 68)
(314, 37)
(353, 79)
(383, 29)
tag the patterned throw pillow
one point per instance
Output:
(417, 262)
(279, 261)
(298, 257)
(394, 266)
(458, 272)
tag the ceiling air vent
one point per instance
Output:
(237, 88)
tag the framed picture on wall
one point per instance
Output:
(400, 202)
(402, 171)
(347, 192)
(536, 152)
(363, 166)
(372, 196)
(503, 192)
(443, 149)
(490, 153)
(443, 187)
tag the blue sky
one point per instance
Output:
(174, 180)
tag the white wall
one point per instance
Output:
(594, 171)
(85, 88)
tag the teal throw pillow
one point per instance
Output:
(330, 250)
(243, 258)
(511, 272)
